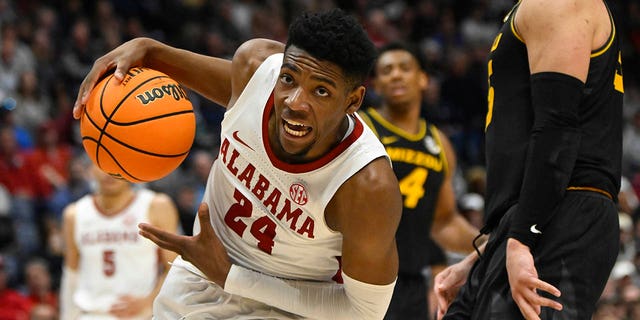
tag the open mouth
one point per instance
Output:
(296, 129)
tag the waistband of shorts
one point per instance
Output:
(591, 191)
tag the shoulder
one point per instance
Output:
(162, 209)
(541, 12)
(69, 212)
(449, 152)
(252, 53)
(372, 192)
(246, 61)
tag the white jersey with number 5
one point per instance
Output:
(114, 259)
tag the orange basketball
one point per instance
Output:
(140, 129)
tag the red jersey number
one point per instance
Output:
(263, 229)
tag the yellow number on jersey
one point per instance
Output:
(491, 93)
(412, 187)
(617, 79)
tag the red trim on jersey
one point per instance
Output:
(338, 276)
(318, 163)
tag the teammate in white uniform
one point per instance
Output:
(301, 206)
(111, 271)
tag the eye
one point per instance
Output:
(322, 91)
(286, 79)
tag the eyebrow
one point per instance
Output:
(313, 76)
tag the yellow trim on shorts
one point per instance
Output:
(607, 194)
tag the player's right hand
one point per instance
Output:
(122, 58)
(447, 284)
(204, 249)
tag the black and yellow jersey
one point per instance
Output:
(510, 119)
(420, 163)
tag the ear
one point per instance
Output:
(423, 80)
(354, 100)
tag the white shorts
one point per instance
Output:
(187, 294)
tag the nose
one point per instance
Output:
(295, 99)
(395, 73)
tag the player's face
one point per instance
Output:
(108, 185)
(399, 78)
(312, 99)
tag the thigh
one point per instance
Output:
(577, 252)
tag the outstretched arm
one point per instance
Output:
(214, 78)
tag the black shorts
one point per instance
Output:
(409, 301)
(575, 254)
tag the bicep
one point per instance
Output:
(71, 254)
(370, 212)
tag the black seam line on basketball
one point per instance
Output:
(108, 119)
(123, 124)
(127, 145)
(97, 127)
(113, 158)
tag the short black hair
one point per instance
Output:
(337, 37)
(404, 46)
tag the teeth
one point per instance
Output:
(293, 132)
(290, 125)
(293, 123)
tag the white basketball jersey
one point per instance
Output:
(270, 214)
(114, 259)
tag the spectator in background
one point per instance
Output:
(18, 176)
(50, 160)
(472, 208)
(15, 58)
(79, 54)
(33, 108)
(14, 306)
(631, 146)
(39, 288)
(43, 312)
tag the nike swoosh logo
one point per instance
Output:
(235, 136)
(388, 140)
(534, 229)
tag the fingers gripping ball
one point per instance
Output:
(140, 129)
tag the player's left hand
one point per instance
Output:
(524, 282)
(204, 250)
(129, 306)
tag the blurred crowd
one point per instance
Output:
(47, 47)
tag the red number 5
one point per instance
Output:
(263, 229)
(108, 263)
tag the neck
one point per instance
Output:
(406, 117)
(114, 203)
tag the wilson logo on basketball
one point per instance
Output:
(172, 90)
(298, 194)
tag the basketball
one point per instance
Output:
(140, 129)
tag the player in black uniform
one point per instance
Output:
(424, 162)
(553, 141)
